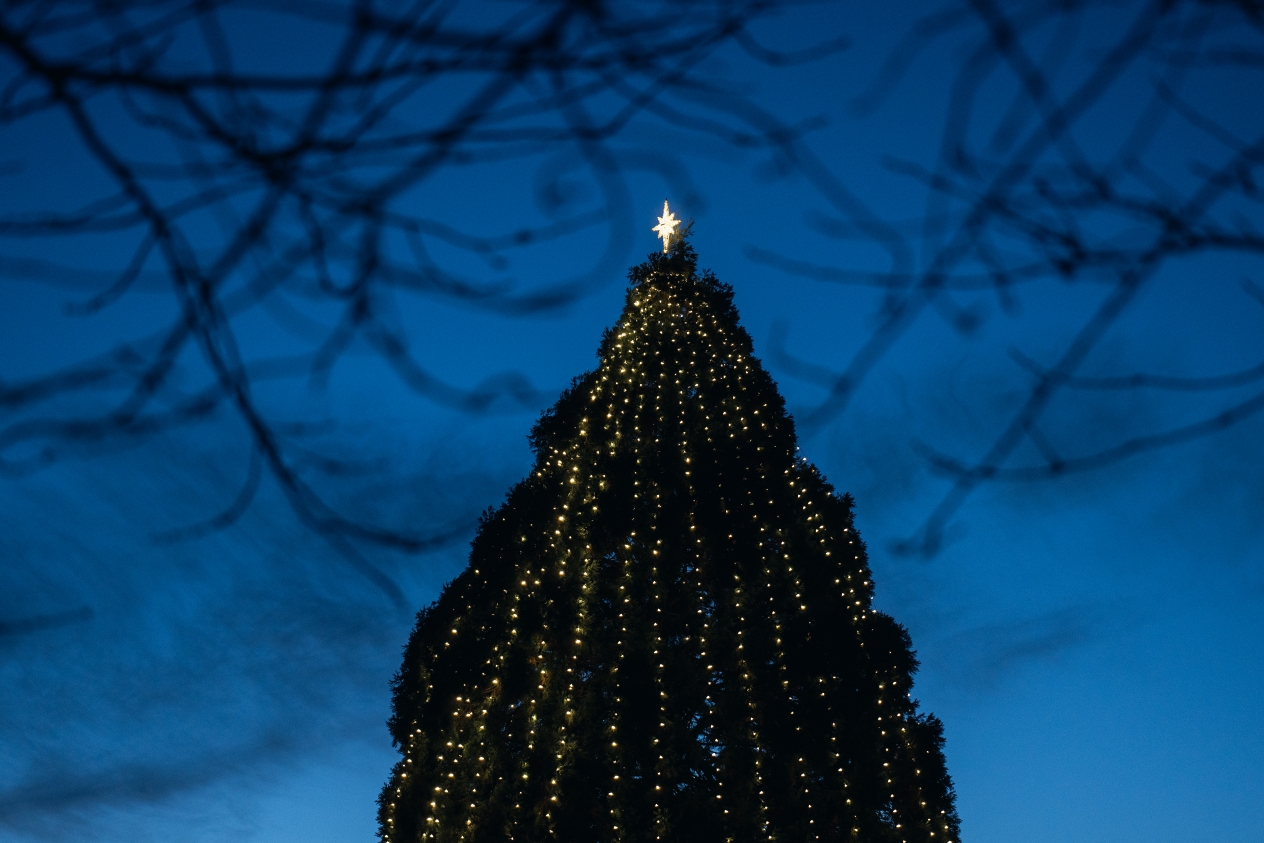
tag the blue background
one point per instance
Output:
(1093, 643)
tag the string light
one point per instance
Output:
(644, 622)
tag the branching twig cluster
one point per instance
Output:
(1047, 186)
(297, 193)
(305, 193)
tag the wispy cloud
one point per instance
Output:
(139, 672)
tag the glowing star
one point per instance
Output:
(666, 227)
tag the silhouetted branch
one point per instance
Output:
(781, 58)
(901, 313)
(1048, 193)
(796, 366)
(304, 172)
(226, 518)
(1141, 380)
(1058, 466)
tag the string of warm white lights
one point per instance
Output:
(668, 624)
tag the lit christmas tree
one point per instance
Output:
(665, 633)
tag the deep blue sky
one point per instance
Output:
(1092, 643)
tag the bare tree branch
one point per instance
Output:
(1039, 195)
(304, 173)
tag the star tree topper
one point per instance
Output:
(666, 227)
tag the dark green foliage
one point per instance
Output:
(665, 632)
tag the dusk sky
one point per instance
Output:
(1092, 638)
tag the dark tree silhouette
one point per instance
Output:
(666, 632)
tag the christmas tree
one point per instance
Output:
(665, 632)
